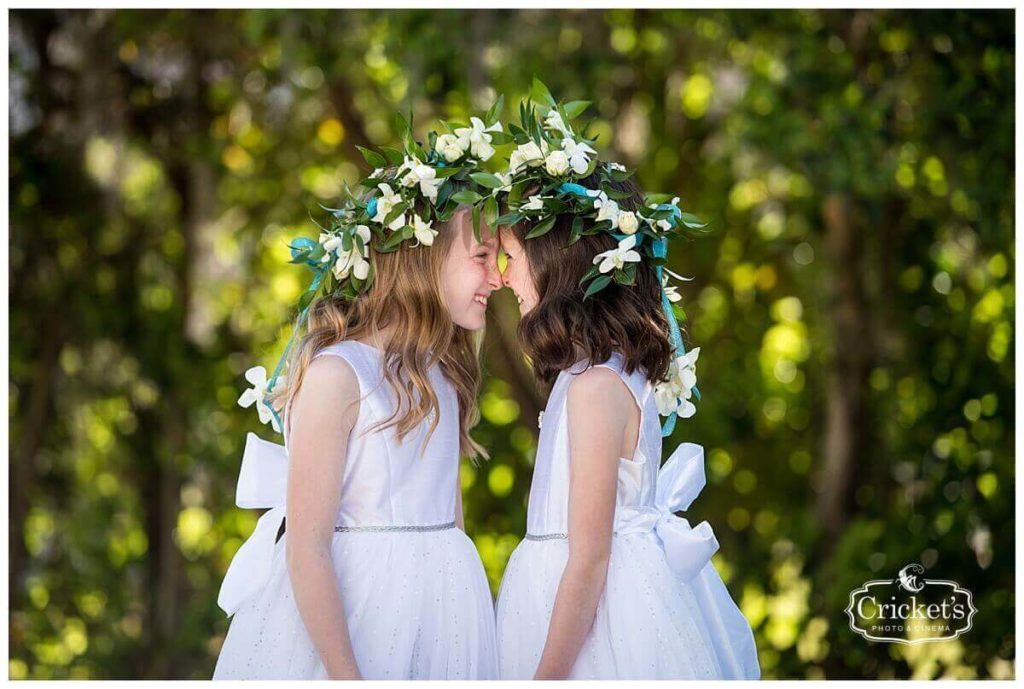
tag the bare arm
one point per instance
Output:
(596, 434)
(324, 412)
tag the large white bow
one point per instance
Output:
(687, 549)
(262, 483)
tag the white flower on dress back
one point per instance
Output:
(618, 257)
(674, 394)
(257, 394)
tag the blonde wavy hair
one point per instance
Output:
(407, 295)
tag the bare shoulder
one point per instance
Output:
(599, 387)
(330, 380)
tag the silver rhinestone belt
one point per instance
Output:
(546, 536)
(553, 536)
(390, 527)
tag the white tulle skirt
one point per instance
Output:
(417, 606)
(649, 624)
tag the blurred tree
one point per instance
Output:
(853, 304)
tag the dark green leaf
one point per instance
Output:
(373, 158)
(597, 285)
(486, 179)
(542, 228)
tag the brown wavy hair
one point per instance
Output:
(562, 325)
(406, 295)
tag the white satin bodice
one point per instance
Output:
(388, 481)
(548, 510)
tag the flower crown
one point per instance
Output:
(406, 194)
(549, 161)
(411, 189)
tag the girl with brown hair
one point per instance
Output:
(608, 583)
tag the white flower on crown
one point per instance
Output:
(425, 233)
(617, 166)
(556, 163)
(619, 256)
(536, 203)
(528, 154)
(607, 210)
(663, 225)
(628, 222)
(506, 183)
(555, 121)
(451, 147)
(479, 141)
(424, 175)
(674, 394)
(377, 172)
(670, 290)
(257, 394)
(355, 261)
(387, 200)
(579, 155)
(330, 243)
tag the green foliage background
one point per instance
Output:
(853, 304)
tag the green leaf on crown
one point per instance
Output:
(577, 230)
(490, 211)
(466, 196)
(592, 273)
(597, 285)
(393, 155)
(540, 93)
(575, 108)
(542, 228)
(391, 243)
(692, 221)
(486, 179)
(476, 222)
(373, 158)
(494, 112)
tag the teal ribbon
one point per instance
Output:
(571, 188)
(660, 249)
(313, 286)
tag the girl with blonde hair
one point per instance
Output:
(361, 568)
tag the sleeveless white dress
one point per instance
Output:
(665, 612)
(416, 598)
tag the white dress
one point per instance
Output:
(416, 598)
(665, 612)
